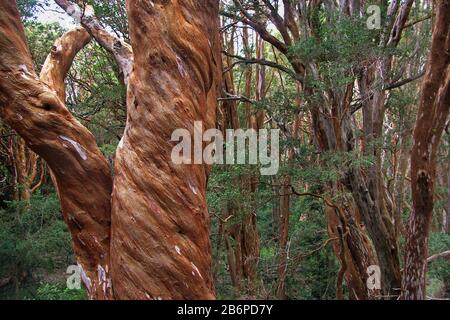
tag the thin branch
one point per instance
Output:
(445, 255)
(231, 97)
(408, 25)
(404, 81)
(243, 60)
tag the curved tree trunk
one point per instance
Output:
(34, 109)
(120, 50)
(160, 225)
(160, 230)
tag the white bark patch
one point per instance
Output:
(430, 150)
(19, 116)
(87, 282)
(196, 270)
(78, 148)
(181, 68)
(125, 63)
(23, 75)
(101, 273)
(89, 11)
(178, 250)
(433, 139)
(75, 12)
(59, 47)
(193, 187)
(120, 146)
(23, 68)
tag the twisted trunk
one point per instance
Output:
(34, 109)
(160, 225)
(160, 231)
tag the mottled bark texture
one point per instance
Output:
(33, 109)
(60, 59)
(160, 226)
(431, 118)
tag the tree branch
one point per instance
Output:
(120, 50)
(81, 173)
(258, 27)
(404, 81)
(399, 23)
(445, 255)
(229, 96)
(243, 60)
(60, 59)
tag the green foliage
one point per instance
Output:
(437, 243)
(345, 42)
(32, 235)
(312, 272)
(28, 8)
(112, 14)
(49, 291)
(96, 95)
(40, 39)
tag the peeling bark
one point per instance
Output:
(352, 249)
(431, 118)
(399, 186)
(160, 226)
(35, 111)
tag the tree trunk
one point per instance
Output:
(28, 169)
(160, 222)
(35, 111)
(399, 185)
(432, 116)
(160, 231)
(352, 247)
(283, 236)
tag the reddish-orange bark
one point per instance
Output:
(160, 226)
(431, 118)
(28, 169)
(35, 111)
